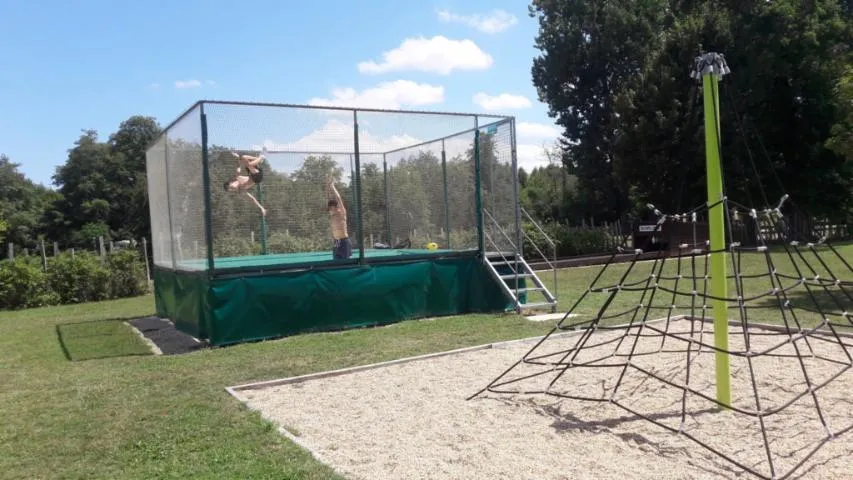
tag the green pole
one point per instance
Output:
(208, 208)
(260, 191)
(478, 200)
(712, 66)
(387, 198)
(358, 218)
(446, 198)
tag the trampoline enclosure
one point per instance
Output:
(441, 187)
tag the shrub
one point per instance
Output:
(127, 274)
(23, 284)
(287, 243)
(570, 241)
(233, 246)
(80, 278)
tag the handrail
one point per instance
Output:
(547, 239)
(500, 250)
(551, 263)
(514, 246)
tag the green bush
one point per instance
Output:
(570, 241)
(79, 278)
(287, 243)
(127, 274)
(233, 246)
(23, 284)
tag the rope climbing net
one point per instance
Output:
(790, 323)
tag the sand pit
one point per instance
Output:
(412, 421)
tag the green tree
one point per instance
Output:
(786, 58)
(549, 193)
(841, 141)
(129, 143)
(22, 205)
(591, 51)
(87, 187)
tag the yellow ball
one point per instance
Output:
(432, 246)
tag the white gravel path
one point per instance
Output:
(412, 420)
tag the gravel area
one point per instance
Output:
(412, 420)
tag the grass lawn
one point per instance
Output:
(113, 412)
(761, 305)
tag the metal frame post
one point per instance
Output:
(446, 197)
(387, 198)
(205, 172)
(169, 201)
(260, 190)
(359, 225)
(513, 153)
(478, 200)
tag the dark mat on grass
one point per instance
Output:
(168, 339)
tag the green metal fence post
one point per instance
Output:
(260, 191)
(205, 173)
(169, 201)
(446, 197)
(519, 237)
(478, 200)
(358, 221)
(710, 67)
(387, 198)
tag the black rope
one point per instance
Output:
(691, 279)
(794, 331)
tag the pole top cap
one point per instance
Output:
(709, 64)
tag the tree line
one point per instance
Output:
(615, 77)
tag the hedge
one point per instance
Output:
(69, 279)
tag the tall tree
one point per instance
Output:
(86, 183)
(129, 144)
(786, 57)
(22, 204)
(592, 50)
(841, 141)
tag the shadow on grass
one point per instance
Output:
(809, 307)
(100, 339)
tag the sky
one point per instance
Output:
(90, 64)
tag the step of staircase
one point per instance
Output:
(510, 282)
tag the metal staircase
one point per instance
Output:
(510, 270)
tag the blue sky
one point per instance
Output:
(89, 64)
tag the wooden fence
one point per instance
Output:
(102, 248)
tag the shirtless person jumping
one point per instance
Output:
(254, 175)
(342, 247)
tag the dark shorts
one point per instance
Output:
(258, 176)
(342, 248)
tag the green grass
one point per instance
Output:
(169, 416)
(99, 339)
(113, 412)
(572, 283)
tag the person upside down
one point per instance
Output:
(254, 175)
(341, 244)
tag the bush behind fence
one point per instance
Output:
(29, 281)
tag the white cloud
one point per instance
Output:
(494, 22)
(438, 54)
(537, 130)
(504, 101)
(386, 95)
(336, 136)
(531, 155)
(187, 83)
(533, 140)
